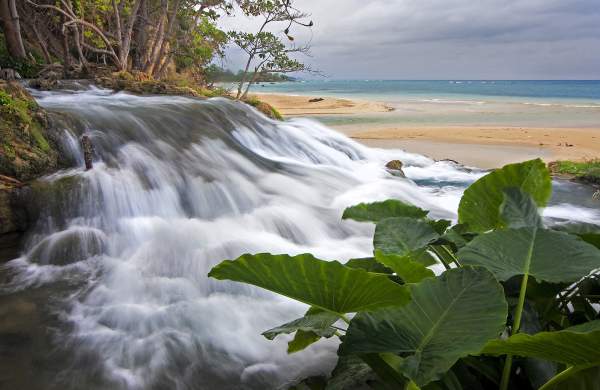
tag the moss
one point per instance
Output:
(263, 107)
(39, 138)
(573, 167)
(583, 171)
(26, 150)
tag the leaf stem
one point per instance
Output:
(449, 252)
(561, 376)
(439, 256)
(515, 329)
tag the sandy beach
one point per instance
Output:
(483, 146)
(299, 105)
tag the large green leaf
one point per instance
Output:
(374, 212)
(575, 346)
(368, 264)
(480, 204)
(403, 236)
(315, 324)
(408, 270)
(547, 255)
(588, 379)
(588, 232)
(519, 209)
(301, 340)
(449, 317)
(328, 285)
(315, 320)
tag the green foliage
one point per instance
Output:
(448, 317)
(327, 285)
(317, 321)
(215, 73)
(532, 251)
(575, 346)
(26, 68)
(455, 331)
(519, 210)
(479, 206)
(374, 212)
(574, 167)
(203, 42)
(403, 236)
(584, 171)
(408, 270)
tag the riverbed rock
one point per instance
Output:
(27, 147)
(28, 150)
(592, 176)
(396, 167)
(143, 84)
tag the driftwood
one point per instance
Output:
(88, 151)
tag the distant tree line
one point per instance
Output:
(215, 73)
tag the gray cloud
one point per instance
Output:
(450, 39)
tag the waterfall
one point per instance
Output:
(116, 264)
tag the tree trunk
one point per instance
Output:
(140, 38)
(159, 36)
(165, 43)
(252, 81)
(12, 29)
(82, 59)
(41, 43)
(66, 53)
(127, 34)
(243, 80)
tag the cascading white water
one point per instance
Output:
(178, 185)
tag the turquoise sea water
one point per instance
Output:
(457, 102)
(537, 89)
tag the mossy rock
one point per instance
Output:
(265, 108)
(143, 84)
(27, 149)
(591, 176)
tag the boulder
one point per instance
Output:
(28, 147)
(396, 167)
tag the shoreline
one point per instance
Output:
(486, 146)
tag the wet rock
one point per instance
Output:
(143, 84)
(591, 176)
(396, 167)
(315, 100)
(12, 218)
(69, 246)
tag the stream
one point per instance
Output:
(111, 292)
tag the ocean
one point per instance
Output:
(553, 103)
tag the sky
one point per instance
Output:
(446, 39)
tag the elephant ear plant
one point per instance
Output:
(517, 305)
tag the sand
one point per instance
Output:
(297, 105)
(482, 146)
(499, 142)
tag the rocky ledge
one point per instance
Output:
(28, 149)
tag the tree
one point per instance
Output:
(12, 29)
(266, 52)
(141, 35)
(118, 49)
